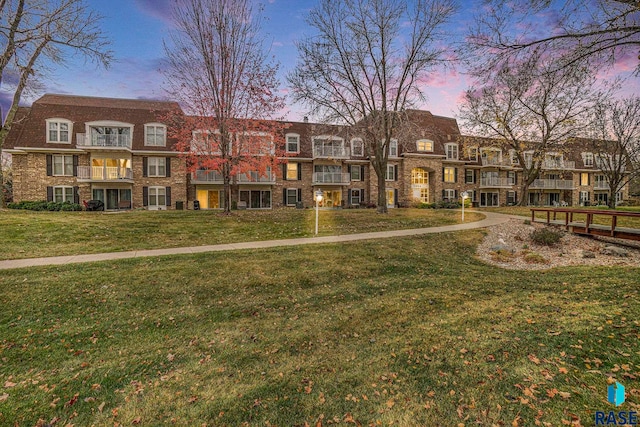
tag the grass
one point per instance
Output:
(407, 331)
(40, 234)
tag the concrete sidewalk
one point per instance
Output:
(490, 220)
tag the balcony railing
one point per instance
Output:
(209, 177)
(494, 161)
(334, 152)
(601, 185)
(558, 164)
(552, 184)
(492, 182)
(331, 178)
(105, 141)
(256, 178)
(102, 173)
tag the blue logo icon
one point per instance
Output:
(615, 394)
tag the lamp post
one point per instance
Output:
(464, 196)
(318, 198)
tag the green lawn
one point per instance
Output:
(38, 234)
(408, 331)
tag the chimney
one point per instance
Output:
(305, 119)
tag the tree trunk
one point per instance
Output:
(524, 194)
(382, 194)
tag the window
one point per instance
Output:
(156, 166)
(157, 197)
(62, 165)
(391, 173)
(357, 147)
(511, 198)
(293, 142)
(452, 151)
(584, 198)
(584, 178)
(292, 171)
(292, 196)
(256, 199)
(424, 145)
(155, 135)
(63, 194)
(469, 176)
(449, 174)
(449, 194)
(59, 131)
(472, 153)
(511, 178)
(356, 197)
(514, 157)
(588, 159)
(356, 173)
(393, 148)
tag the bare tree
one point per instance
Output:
(367, 63)
(616, 142)
(532, 108)
(219, 72)
(36, 33)
(603, 30)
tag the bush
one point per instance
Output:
(45, 206)
(534, 258)
(545, 236)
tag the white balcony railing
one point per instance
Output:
(210, 177)
(328, 151)
(601, 185)
(492, 182)
(256, 178)
(494, 161)
(105, 141)
(331, 178)
(552, 184)
(558, 164)
(102, 173)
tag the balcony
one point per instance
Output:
(102, 173)
(206, 177)
(337, 178)
(558, 164)
(601, 185)
(492, 182)
(494, 161)
(552, 184)
(103, 141)
(256, 178)
(331, 152)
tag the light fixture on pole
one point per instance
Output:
(318, 198)
(464, 195)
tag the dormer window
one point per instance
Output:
(293, 142)
(514, 157)
(59, 131)
(473, 154)
(424, 145)
(393, 148)
(451, 151)
(588, 159)
(357, 147)
(155, 135)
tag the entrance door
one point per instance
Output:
(489, 199)
(112, 199)
(420, 185)
(214, 199)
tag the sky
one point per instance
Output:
(137, 29)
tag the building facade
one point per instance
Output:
(73, 148)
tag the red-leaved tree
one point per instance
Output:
(220, 74)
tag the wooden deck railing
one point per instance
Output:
(589, 227)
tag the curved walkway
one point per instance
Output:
(491, 219)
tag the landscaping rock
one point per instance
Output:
(588, 254)
(615, 251)
(499, 247)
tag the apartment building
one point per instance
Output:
(76, 148)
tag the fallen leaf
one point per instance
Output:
(170, 357)
(101, 407)
(534, 359)
(563, 370)
(564, 394)
(9, 384)
(3, 397)
(136, 420)
(73, 400)
(390, 403)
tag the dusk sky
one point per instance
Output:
(137, 29)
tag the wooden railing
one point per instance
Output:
(589, 226)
